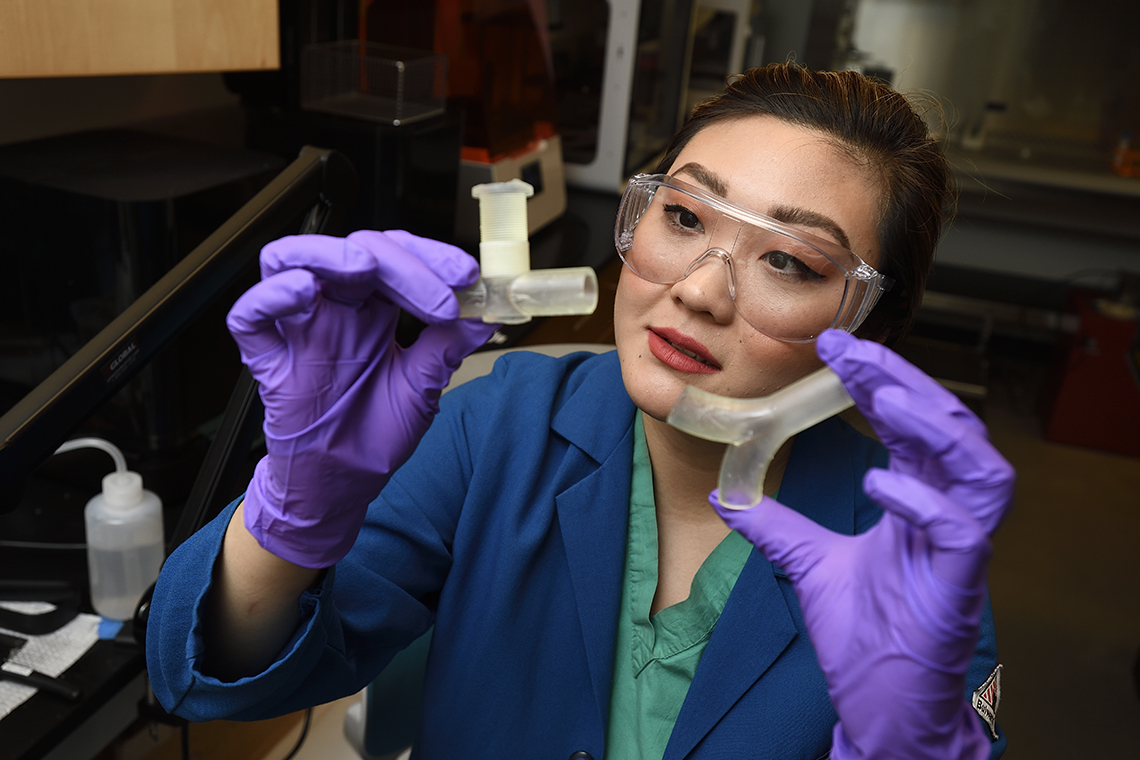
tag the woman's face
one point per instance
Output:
(777, 169)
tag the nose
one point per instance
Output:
(709, 285)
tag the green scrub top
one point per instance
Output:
(656, 657)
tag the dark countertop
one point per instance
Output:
(1073, 190)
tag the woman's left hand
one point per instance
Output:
(893, 613)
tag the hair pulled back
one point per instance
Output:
(878, 128)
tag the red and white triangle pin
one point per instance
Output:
(987, 697)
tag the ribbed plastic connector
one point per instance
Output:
(507, 291)
(504, 248)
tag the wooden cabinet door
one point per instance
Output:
(63, 38)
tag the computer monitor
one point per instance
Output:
(312, 194)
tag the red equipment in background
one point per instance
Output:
(1092, 393)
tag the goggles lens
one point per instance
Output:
(787, 283)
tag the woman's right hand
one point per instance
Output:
(345, 405)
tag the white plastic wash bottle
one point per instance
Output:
(125, 544)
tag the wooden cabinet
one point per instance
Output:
(66, 38)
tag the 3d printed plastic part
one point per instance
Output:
(756, 428)
(508, 291)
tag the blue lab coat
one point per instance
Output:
(506, 531)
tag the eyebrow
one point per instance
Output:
(705, 177)
(786, 214)
(804, 218)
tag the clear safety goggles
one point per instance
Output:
(785, 282)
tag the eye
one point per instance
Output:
(681, 217)
(788, 265)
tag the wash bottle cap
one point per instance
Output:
(504, 248)
(122, 490)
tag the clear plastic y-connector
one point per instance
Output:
(756, 428)
(508, 290)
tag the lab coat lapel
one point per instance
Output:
(593, 511)
(753, 630)
(757, 624)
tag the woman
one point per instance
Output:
(557, 533)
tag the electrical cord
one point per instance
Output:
(304, 733)
(292, 753)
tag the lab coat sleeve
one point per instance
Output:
(369, 606)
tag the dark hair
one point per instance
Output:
(877, 127)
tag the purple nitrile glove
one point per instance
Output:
(893, 613)
(345, 405)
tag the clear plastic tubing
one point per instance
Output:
(508, 290)
(756, 428)
(515, 299)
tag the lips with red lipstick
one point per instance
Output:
(681, 352)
